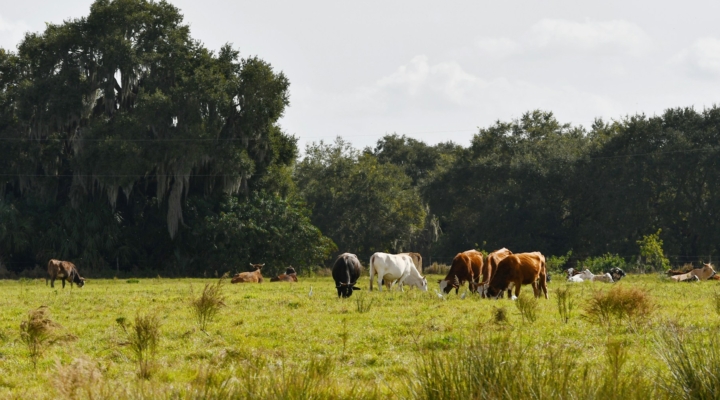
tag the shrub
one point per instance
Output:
(565, 303)
(604, 263)
(143, 339)
(651, 248)
(437, 269)
(556, 264)
(618, 303)
(206, 307)
(528, 307)
(499, 315)
(38, 332)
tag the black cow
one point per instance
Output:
(346, 272)
(616, 273)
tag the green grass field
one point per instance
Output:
(274, 340)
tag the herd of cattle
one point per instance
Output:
(490, 276)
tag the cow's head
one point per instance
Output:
(76, 278)
(616, 273)
(708, 271)
(345, 290)
(423, 284)
(445, 286)
(256, 267)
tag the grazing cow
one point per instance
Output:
(64, 270)
(616, 273)
(252, 277)
(346, 272)
(289, 276)
(466, 266)
(391, 267)
(490, 266)
(417, 260)
(516, 270)
(704, 273)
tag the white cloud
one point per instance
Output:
(498, 47)
(702, 57)
(589, 35)
(11, 33)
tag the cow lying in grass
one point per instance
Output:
(704, 273)
(587, 275)
(252, 277)
(64, 270)
(616, 273)
(289, 276)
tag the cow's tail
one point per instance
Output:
(372, 268)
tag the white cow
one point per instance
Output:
(587, 275)
(398, 267)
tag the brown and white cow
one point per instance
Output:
(289, 276)
(252, 277)
(64, 270)
(516, 270)
(466, 267)
(491, 263)
(704, 273)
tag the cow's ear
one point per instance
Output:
(262, 265)
(439, 280)
(356, 288)
(251, 264)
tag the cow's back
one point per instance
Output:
(347, 266)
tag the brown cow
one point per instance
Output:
(488, 270)
(253, 277)
(704, 273)
(517, 270)
(289, 276)
(466, 266)
(64, 270)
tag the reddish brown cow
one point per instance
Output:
(289, 276)
(64, 270)
(517, 270)
(253, 277)
(466, 266)
(488, 270)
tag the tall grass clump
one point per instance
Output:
(504, 366)
(208, 304)
(565, 303)
(693, 361)
(500, 315)
(38, 332)
(618, 303)
(716, 302)
(528, 307)
(362, 303)
(143, 339)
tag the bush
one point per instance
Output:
(651, 249)
(556, 264)
(603, 264)
(618, 303)
(437, 269)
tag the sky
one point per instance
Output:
(439, 71)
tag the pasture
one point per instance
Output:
(276, 340)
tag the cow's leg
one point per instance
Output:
(52, 281)
(535, 289)
(63, 281)
(379, 282)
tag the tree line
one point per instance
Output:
(126, 144)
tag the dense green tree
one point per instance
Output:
(110, 123)
(361, 204)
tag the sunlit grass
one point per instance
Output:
(278, 325)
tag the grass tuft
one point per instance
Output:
(565, 303)
(362, 303)
(143, 339)
(38, 332)
(693, 362)
(208, 304)
(618, 304)
(500, 315)
(528, 307)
